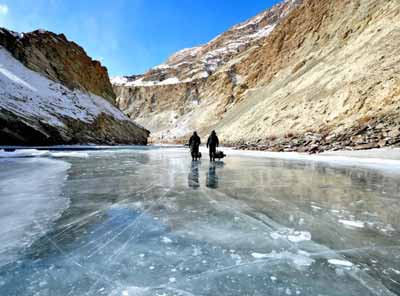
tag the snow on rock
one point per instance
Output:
(30, 94)
(216, 52)
(119, 80)
(161, 67)
(141, 82)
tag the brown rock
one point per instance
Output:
(59, 59)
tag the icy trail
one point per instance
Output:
(151, 222)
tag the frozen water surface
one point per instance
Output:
(148, 221)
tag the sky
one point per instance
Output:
(130, 36)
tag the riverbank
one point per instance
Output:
(382, 159)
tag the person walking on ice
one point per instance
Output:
(212, 144)
(194, 144)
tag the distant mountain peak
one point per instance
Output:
(201, 61)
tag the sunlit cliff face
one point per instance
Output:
(324, 66)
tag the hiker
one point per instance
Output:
(194, 144)
(212, 144)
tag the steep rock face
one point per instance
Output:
(44, 100)
(58, 59)
(329, 66)
(326, 67)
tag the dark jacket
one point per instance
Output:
(213, 141)
(194, 141)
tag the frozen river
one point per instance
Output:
(148, 221)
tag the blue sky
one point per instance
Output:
(130, 36)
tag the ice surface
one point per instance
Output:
(340, 262)
(148, 221)
(22, 153)
(357, 224)
(30, 199)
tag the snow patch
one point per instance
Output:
(69, 154)
(141, 82)
(161, 67)
(118, 80)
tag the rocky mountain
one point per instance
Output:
(298, 75)
(51, 92)
(189, 91)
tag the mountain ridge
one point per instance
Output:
(323, 69)
(53, 93)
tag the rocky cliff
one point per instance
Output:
(303, 73)
(195, 86)
(51, 92)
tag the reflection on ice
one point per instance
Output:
(151, 222)
(193, 177)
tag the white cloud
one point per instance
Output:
(3, 9)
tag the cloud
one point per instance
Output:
(3, 9)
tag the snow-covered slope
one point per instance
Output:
(199, 62)
(59, 59)
(32, 95)
(35, 110)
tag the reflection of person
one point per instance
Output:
(193, 177)
(212, 144)
(212, 178)
(194, 144)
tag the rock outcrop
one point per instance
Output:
(59, 59)
(324, 68)
(51, 93)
